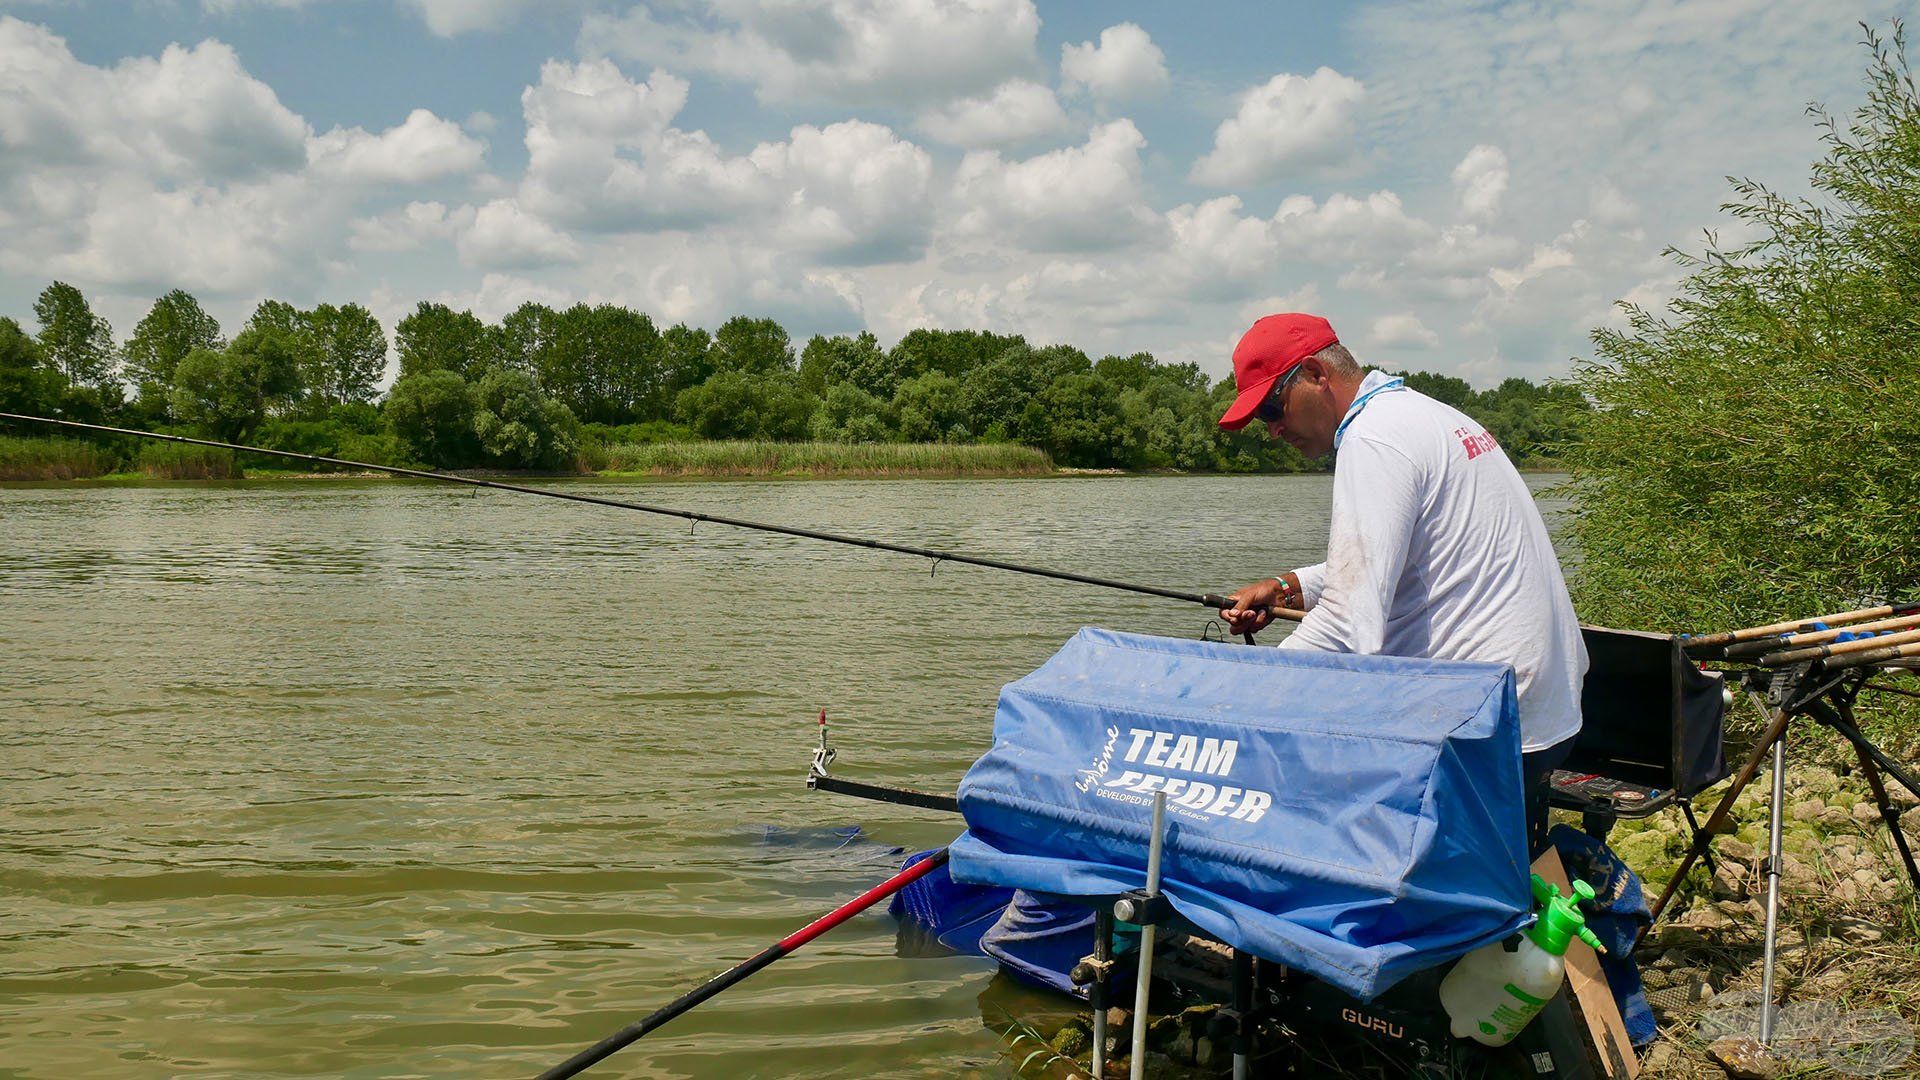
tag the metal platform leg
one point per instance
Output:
(1773, 890)
(1242, 1018)
(1143, 981)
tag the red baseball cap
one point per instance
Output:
(1269, 350)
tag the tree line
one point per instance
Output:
(533, 390)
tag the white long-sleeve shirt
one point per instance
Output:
(1436, 549)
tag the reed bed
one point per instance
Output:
(818, 459)
(174, 461)
(51, 459)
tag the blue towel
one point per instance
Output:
(1616, 916)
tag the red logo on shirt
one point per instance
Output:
(1477, 443)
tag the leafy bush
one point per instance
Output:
(431, 413)
(740, 405)
(519, 428)
(848, 414)
(1755, 451)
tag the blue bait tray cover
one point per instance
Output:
(1357, 818)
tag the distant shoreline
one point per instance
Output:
(64, 461)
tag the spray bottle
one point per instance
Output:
(1496, 990)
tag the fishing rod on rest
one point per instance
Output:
(725, 980)
(1711, 643)
(1210, 600)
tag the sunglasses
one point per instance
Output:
(1275, 405)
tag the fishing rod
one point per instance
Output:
(1819, 652)
(1702, 642)
(1847, 632)
(733, 975)
(1211, 600)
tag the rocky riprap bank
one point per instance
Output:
(1847, 943)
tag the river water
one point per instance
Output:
(381, 779)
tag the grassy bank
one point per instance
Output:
(816, 459)
(52, 459)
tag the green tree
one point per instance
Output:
(175, 326)
(227, 394)
(829, 361)
(930, 409)
(518, 427)
(1084, 425)
(848, 414)
(1128, 372)
(603, 362)
(27, 384)
(950, 352)
(1000, 396)
(74, 339)
(1447, 389)
(348, 357)
(287, 332)
(1754, 451)
(431, 412)
(751, 346)
(525, 335)
(437, 338)
(738, 405)
(686, 358)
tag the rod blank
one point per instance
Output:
(1819, 637)
(727, 979)
(1714, 641)
(1817, 652)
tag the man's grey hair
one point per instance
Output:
(1339, 361)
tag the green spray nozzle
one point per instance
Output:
(1561, 919)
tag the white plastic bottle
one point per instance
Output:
(1496, 990)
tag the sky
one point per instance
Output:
(1461, 187)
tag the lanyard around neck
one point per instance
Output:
(1360, 402)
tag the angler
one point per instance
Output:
(1435, 548)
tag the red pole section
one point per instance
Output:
(862, 902)
(733, 975)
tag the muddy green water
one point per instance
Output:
(368, 779)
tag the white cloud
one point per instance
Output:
(891, 52)
(494, 298)
(223, 240)
(188, 113)
(1610, 205)
(1346, 228)
(1218, 252)
(1480, 181)
(1016, 111)
(604, 157)
(1305, 298)
(1401, 329)
(1292, 122)
(423, 147)
(1124, 64)
(175, 170)
(851, 192)
(404, 229)
(1544, 259)
(444, 17)
(450, 17)
(1080, 198)
(500, 235)
(704, 283)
